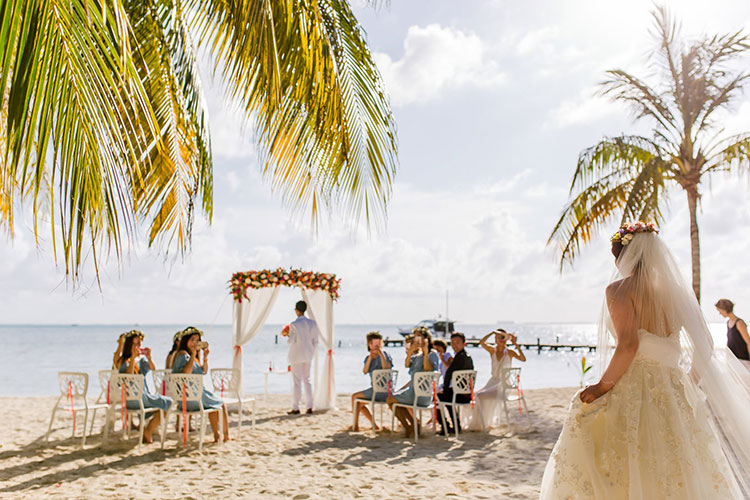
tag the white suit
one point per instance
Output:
(303, 342)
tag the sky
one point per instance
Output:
(493, 102)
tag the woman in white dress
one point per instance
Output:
(669, 417)
(489, 395)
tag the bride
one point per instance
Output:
(670, 416)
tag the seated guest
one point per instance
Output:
(738, 339)
(461, 361)
(419, 358)
(169, 363)
(445, 358)
(135, 359)
(377, 359)
(492, 392)
(187, 360)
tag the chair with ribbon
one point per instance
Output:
(511, 379)
(462, 382)
(126, 392)
(383, 382)
(104, 396)
(73, 391)
(160, 380)
(187, 390)
(226, 385)
(425, 385)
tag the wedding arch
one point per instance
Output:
(254, 294)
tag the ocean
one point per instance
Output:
(35, 353)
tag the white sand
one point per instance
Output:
(284, 457)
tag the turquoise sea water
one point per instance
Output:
(34, 354)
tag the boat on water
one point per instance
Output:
(437, 328)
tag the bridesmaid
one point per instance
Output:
(187, 361)
(169, 363)
(134, 359)
(419, 358)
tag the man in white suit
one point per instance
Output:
(303, 342)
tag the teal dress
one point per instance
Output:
(406, 396)
(210, 400)
(376, 365)
(149, 400)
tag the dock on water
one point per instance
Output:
(539, 347)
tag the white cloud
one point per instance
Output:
(538, 40)
(586, 107)
(436, 59)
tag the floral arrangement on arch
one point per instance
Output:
(267, 278)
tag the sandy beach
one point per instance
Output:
(283, 457)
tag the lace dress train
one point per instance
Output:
(650, 437)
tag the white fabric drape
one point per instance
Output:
(320, 307)
(249, 317)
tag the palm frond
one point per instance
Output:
(305, 74)
(624, 155)
(645, 102)
(178, 168)
(602, 187)
(734, 152)
(583, 217)
(73, 142)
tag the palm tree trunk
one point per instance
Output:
(695, 248)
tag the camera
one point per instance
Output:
(202, 344)
(144, 351)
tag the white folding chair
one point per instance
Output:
(383, 382)
(187, 388)
(425, 384)
(104, 396)
(226, 385)
(133, 391)
(462, 382)
(74, 388)
(160, 381)
(511, 379)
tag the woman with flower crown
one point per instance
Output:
(669, 416)
(136, 360)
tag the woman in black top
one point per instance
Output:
(738, 339)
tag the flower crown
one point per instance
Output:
(134, 333)
(191, 330)
(421, 330)
(627, 231)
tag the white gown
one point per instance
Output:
(490, 396)
(649, 437)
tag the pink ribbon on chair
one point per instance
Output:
(519, 392)
(434, 405)
(163, 387)
(123, 406)
(222, 388)
(184, 415)
(108, 402)
(72, 407)
(389, 388)
(471, 387)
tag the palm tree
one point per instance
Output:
(103, 124)
(630, 175)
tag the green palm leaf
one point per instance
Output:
(72, 143)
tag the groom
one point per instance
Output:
(303, 341)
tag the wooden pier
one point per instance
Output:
(539, 347)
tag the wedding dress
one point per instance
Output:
(677, 422)
(490, 395)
